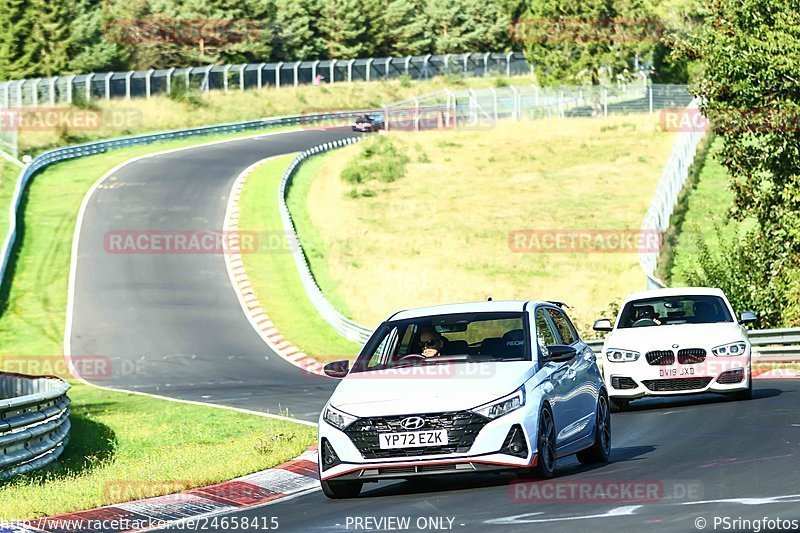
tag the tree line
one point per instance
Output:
(40, 38)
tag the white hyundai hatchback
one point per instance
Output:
(675, 342)
(463, 388)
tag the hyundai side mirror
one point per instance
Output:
(337, 369)
(747, 317)
(603, 324)
(558, 353)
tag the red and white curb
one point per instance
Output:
(252, 307)
(262, 488)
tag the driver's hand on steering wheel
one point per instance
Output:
(430, 352)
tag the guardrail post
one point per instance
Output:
(108, 85)
(508, 63)
(69, 79)
(169, 80)
(89, 79)
(331, 71)
(369, 66)
(225, 71)
(278, 74)
(147, 78)
(350, 70)
(20, 85)
(128, 77)
(35, 93)
(259, 74)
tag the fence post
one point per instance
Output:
(108, 85)
(416, 114)
(426, 65)
(20, 85)
(147, 78)
(278, 74)
(369, 66)
(225, 71)
(206, 75)
(89, 78)
(169, 80)
(51, 91)
(388, 62)
(314, 69)
(466, 62)
(508, 63)
(350, 70)
(385, 116)
(241, 76)
(69, 79)
(128, 77)
(35, 93)
(473, 104)
(259, 74)
(486, 64)
(650, 97)
(6, 90)
(331, 71)
(408, 62)
(295, 70)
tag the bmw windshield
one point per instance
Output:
(473, 337)
(693, 309)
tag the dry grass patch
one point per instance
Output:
(441, 232)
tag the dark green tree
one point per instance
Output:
(46, 48)
(406, 29)
(343, 28)
(15, 29)
(295, 27)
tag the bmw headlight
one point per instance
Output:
(616, 355)
(503, 406)
(730, 350)
(337, 418)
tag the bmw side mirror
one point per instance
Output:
(747, 317)
(336, 369)
(603, 324)
(558, 353)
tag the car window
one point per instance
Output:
(690, 309)
(544, 332)
(565, 328)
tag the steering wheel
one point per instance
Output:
(644, 322)
(412, 357)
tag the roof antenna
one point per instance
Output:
(489, 299)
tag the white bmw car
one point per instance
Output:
(464, 388)
(673, 342)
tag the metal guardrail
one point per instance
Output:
(145, 83)
(344, 326)
(769, 345)
(56, 155)
(34, 422)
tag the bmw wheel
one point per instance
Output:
(601, 449)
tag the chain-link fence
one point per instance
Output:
(146, 83)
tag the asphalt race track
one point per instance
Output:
(171, 324)
(691, 459)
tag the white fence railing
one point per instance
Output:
(146, 83)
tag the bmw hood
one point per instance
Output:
(428, 389)
(684, 335)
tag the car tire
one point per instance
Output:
(337, 490)
(618, 405)
(546, 445)
(744, 395)
(601, 449)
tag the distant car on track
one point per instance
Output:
(674, 342)
(367, 123)
(464, 388)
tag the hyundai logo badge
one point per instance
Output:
(412, 422)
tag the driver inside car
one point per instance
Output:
(431, 342)
(647, 313)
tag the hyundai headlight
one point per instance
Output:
(503, 406)
(615, 355)
(730, 350)
(337, 418)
